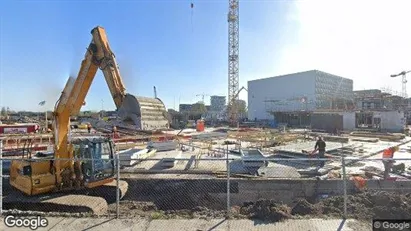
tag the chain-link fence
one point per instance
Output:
(216, 184)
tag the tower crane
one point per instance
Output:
(202, 97)
(233, 59)
(404, 82)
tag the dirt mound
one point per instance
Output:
(377, 205)
(364, 206)
(360, 206)
(267, 210)
(196, 212)
(303, 207)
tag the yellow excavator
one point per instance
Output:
(78, 164)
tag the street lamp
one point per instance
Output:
(42, 103)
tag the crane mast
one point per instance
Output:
(233, 59)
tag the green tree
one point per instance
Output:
(199, 108)
(3, 111)
(241, 108)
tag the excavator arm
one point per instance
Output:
(105, 59)
(98, 55)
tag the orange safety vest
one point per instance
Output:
(388, 153)
(359, 182)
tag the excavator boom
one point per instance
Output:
(106, 61)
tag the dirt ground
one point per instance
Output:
(362, 206)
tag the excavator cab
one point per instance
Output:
(94, 165)
(96, 157)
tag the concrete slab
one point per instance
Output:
(139, 224)
(308, 225)
(101, 224)
(188, 225)
(51, 223)
(278, 171)
(308, 146)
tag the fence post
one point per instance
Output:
(344, 185)
(117, 186)
(228, 183)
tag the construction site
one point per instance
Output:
(143, 161)
(184, 173)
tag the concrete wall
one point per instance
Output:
(348, 121)
(288, 190)
(392, 121)
(328, 122)
(287, 88)
(188, 191)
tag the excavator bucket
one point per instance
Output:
(146, 113)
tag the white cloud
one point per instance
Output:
(366, 41)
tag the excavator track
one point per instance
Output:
(94, 201)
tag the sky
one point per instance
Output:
(184, 51)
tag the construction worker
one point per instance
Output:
(388, 154)
(320, 147)
(114, 132)
(89, 128)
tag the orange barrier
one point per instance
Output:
(200, 126)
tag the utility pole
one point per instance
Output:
(233, 58)
(42, 103)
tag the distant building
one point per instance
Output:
(217, 103)
(305, 91)
(375, 99)
(185, 108)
